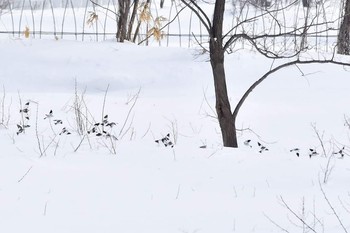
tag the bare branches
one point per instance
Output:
(135, 98)
(302, 31)
(296, 34)
(255, 18)
(25, 174)
(5, 118)
(166, 25)
(271, 71)
(276, 224)
(200, 14)
(297, 216)
(42, 152)
(333, 210)
(105, 8)
(103, 105)
(320, 139)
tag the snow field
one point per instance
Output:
(146, 187)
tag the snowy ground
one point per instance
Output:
(146, 187)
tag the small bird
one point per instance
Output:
(48, 115)
(56, 122)
(20, 129)
(110, 124)
(65, 131)
(341, 152)
(296, 150)
(166, 141)
(24, 110)
(262, 148)
(247, 143)
(105, 120)
(313, 152)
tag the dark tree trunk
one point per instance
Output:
(148, 2)
(132, 19)
(344, 32)
(223, 107)
(123, 10)
(306, 3)
(162, 3)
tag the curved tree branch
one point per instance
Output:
(200, 14)
(105, 8)
(266, 75)
(268, 12)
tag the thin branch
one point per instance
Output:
(320, 139)
(300, 31)
(200, 14)
(104, 102)
(42, 152)
(103, 106)
(249, 20)
(276, 224)
(129, 112)
(266, 75)
(150, 35)
(343, 205)
(25, 174)
(105, 8)
(200, 44)
(332, 208)
(296, 215)
(81, 141)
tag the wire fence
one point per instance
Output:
(84, 21)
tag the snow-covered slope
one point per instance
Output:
(54, 182)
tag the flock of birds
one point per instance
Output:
(311, 152)
(297, 151)
(103, 129)
(98, 129)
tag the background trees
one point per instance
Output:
(344, 31)
(263, 42)
(123, 14)
(277, 38)
(130, 15)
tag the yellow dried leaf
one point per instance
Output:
(26, 32)
(93, 17)
(145, 16)
(156, 33)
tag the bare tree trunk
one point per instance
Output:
(217, 48)
(123, 10)
(344, 32)
(306, 3)
(132, 19)
(148, 2)
(223, 107)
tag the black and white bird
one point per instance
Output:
(262, 148)
(50, 115)
(296, 150)
(166, 141)
(65, 131)
(340, 152)
(247, 143)
(57, 122)
(313, 152)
